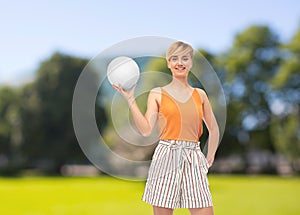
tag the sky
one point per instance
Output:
(32, 30)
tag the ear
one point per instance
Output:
(168, 64)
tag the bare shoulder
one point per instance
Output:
(156, 90)
(155, 94)
(202, 93)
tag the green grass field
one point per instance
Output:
(232, 195)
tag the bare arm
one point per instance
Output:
(144, 123)
(212, 126)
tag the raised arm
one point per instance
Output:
(212, 126)
(144, 123)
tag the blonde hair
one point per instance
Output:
(178, 48)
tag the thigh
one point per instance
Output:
(202, 211)
(162, 188)
(195, 188)
(162, 211)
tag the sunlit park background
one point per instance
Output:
(42, 167)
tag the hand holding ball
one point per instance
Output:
(124, 72)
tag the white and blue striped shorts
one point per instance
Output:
(178, 176)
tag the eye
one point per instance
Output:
(174, 59)
(185, 59)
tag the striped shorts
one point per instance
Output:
(178, 176)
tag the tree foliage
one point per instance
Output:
(260, 78)
(10, 125)
(286, 101)
(46, 113)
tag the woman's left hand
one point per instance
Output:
(210, 161)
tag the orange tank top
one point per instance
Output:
(180, 120)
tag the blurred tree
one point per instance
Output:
(285, 101)
(249, 66)
(260, 78)
(48, 136)
(30, 111)
(10, 128)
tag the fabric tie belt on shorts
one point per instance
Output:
(183, 147)
(186, 152)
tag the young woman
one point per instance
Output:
(178, 172)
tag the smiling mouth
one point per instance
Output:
(180, 68)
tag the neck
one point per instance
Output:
(179, 83)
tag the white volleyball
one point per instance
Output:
(123, 71)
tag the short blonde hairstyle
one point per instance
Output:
(178, 48)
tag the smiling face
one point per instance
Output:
(180, 59)
(180, 65)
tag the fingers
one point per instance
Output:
(128, 95)
(134, 86)
(116, 88)
(121, 90)
(210, 161)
